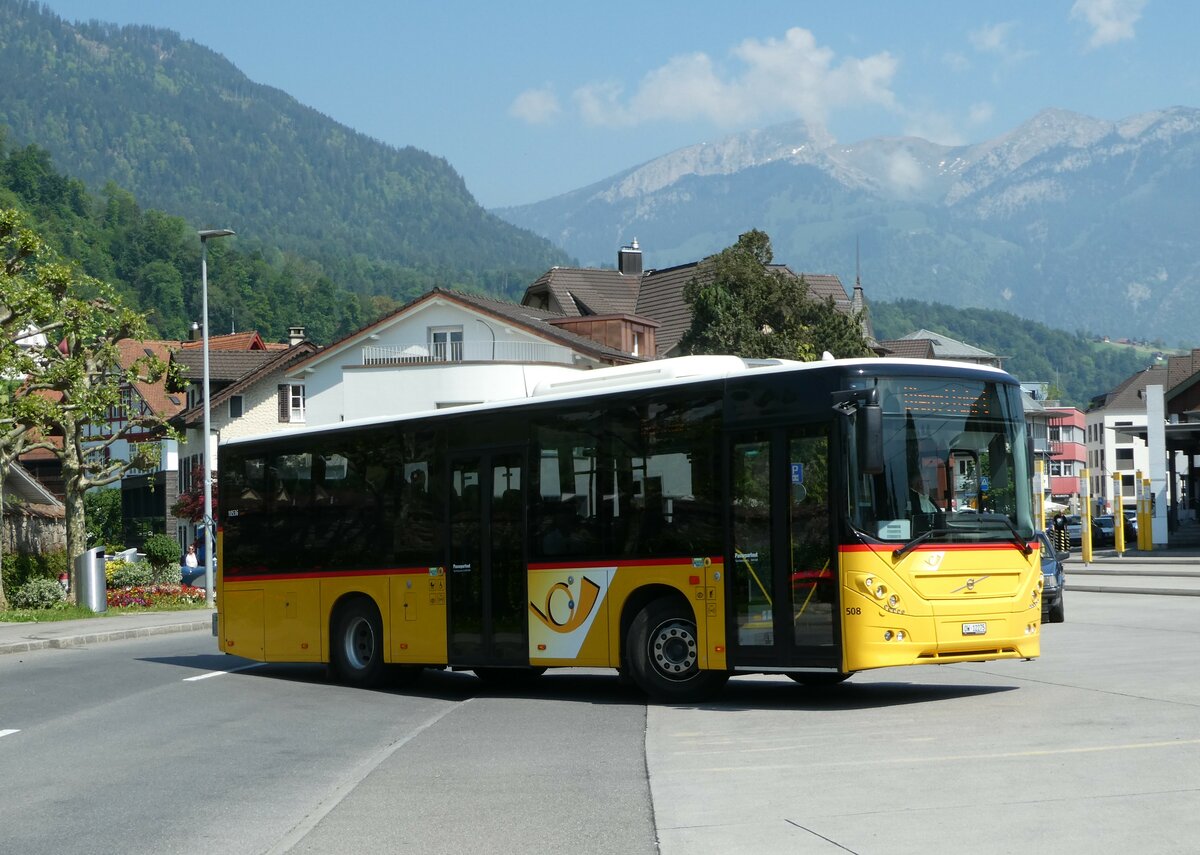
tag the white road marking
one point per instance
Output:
(219, 673)
(8, 732)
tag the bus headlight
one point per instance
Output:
(893, 601)
(880, 591)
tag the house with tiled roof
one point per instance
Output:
(636, 297)
(34, 519)
(448, 348)
(249, 394)
(926, 344)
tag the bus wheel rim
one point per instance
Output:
(673, 650)
(360, 643)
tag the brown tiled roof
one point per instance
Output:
(232, 341)
(588, 291)
(908, 348)
(161, 402)
(271, 361)
(224, 366)
(821, 285)
(1128, 394)
(661, 299)
(1181, 369)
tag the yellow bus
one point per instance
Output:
(682, 521)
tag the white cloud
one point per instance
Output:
(792, 76)
(904, 172)
(535, 106)
(1111, 20)
(980, 112)
(997, 39)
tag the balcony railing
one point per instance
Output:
(426, 353)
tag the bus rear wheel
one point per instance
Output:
(663, 653)
(356, 647)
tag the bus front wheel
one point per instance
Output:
(356, 648)
(663, 654)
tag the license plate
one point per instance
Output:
(974, 629)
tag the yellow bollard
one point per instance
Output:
(1118, 516)
(1085, 519)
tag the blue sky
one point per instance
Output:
(530, 99)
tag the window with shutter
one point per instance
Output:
(285, 402)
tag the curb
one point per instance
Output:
(1162, 592)
(94, 637)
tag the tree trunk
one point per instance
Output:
(73, 488)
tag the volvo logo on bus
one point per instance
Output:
(970, 586)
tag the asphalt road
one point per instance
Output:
(1093, 748)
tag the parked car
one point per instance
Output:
(1103, 531)
(1099, 536)
(1054, 580)
(1131, 527)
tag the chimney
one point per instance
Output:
(629, 260)
(195, 335)
(295, 336)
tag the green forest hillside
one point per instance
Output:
(186, 132)
(153, 260)
(1076, 367)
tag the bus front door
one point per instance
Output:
(486, 578)
(782, 577)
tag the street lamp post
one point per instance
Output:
(210, 541)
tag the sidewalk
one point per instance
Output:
(22, 637)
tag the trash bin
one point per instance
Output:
(89, 571)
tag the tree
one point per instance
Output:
(72, 375)
(741, 305)
(28, 296)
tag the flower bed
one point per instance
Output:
(155, 596)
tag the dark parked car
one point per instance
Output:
(1099, 537)
(1104, 531)
(1054, 579)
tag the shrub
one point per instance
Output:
(161, 551)
(38, 594)
(19, 568)
(128, 575)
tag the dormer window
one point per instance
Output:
(446, 344)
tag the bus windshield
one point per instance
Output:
(954, 453)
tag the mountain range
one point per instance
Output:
(1078, 222)
(186, 132)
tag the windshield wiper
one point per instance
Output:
(901, 551)
(1019, 541)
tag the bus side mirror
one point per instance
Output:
(864, 405)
